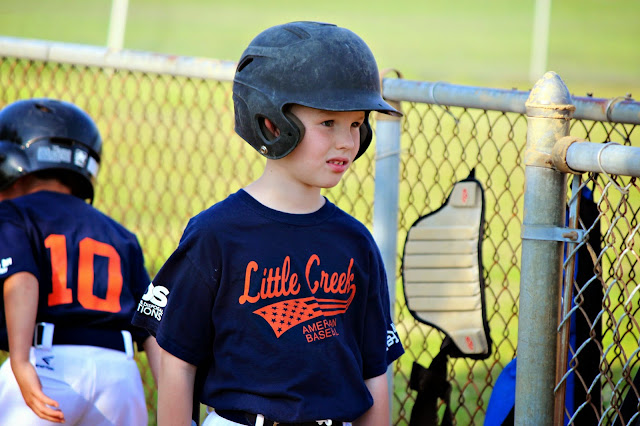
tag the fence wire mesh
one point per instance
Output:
(440, 146)
(170, 151)
(602, 358)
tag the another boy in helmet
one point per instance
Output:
(71, 277)
(276, 298)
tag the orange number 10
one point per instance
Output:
(89, 248)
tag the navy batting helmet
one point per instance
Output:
(313, 64)
(49, 135)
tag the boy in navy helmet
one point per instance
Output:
(70, 276)
(275, 303)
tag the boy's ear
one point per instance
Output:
(269, 130)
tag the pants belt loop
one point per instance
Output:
(128, 344)
(43, 335)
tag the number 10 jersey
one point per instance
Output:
(89, 267)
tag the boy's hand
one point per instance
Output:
(20, 306)
(31, 388)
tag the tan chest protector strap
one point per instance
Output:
(442, 270)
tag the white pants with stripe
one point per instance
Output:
(94, 386)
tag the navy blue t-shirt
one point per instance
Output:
(285, 314)
(90, 268)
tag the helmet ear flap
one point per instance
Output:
(366, 134)
(295, 121)
(14, 163)
(291, 132)
(270, 145)
(271, 136)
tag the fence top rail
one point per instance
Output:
(617, 110)
(131, 60)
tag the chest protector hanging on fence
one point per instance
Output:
(444, 287)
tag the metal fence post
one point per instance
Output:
(549, 110)
(385, 202)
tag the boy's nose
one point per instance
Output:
(348, 139)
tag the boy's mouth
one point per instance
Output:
(339, 163)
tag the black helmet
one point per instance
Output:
(49, 135)
(313, 64)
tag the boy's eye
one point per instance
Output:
(356, 124)
(327, 123)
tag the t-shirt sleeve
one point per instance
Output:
(382, 345)
(394, 346)
(177, 305)
(16, 253)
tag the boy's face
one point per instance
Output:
(330, 144)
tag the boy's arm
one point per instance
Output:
(153, 356)
(21, 307)
(175, 390)
(378, 414)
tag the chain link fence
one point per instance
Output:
(170, 151)
(440, 146)
(600, 358)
